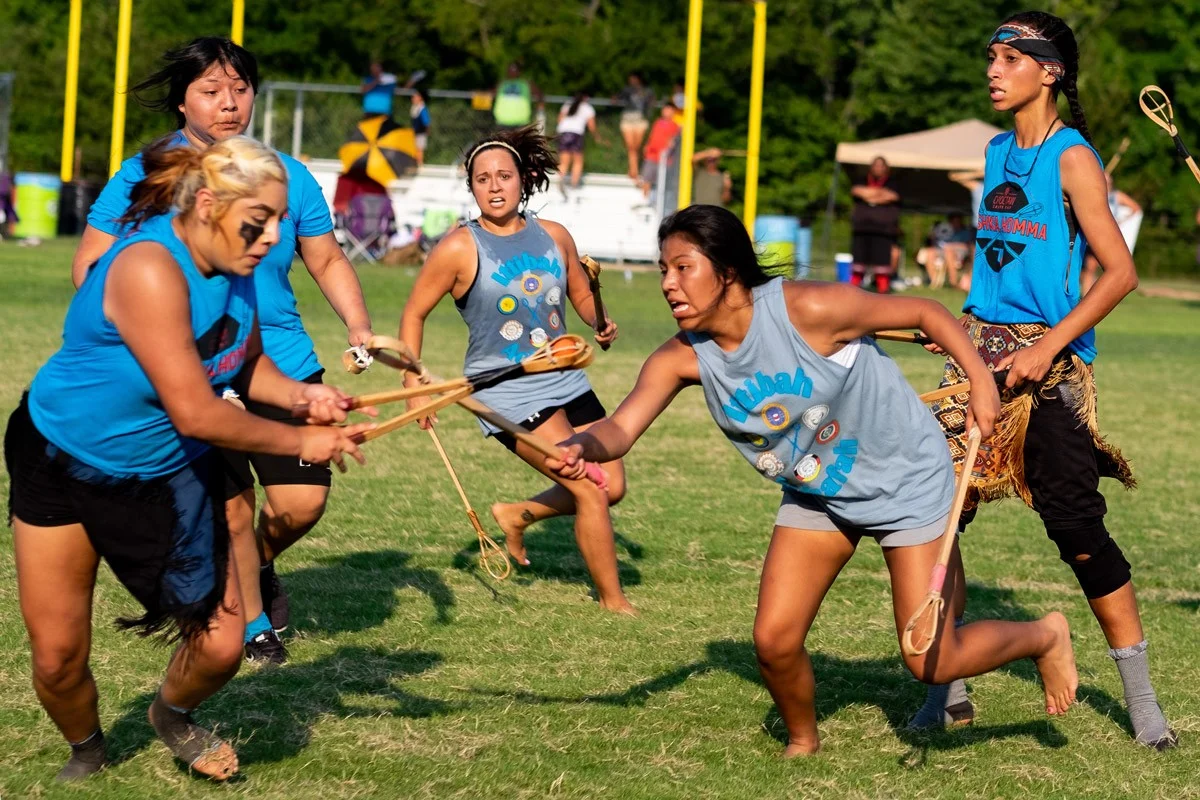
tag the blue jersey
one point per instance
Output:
(1028, 251)
(283, 334)
(93, 400)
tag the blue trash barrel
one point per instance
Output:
(775, 237)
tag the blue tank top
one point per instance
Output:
(1028, 252)
(514, 306)
(283, 334)
(847, 432)
(92, 399)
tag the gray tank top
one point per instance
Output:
(514, 306)
(851, 439)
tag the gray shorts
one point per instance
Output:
(796, 511)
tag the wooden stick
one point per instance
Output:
(928, 614)
(486, 543)
(1116, 158)
(601, 317)
(903, 336)
(400, 421)
(1157, 106)
(1000, 377)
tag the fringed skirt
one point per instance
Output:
(999, 471)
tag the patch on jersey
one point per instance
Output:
(531, 284)
(512, 330)
(808, 469)
(537, 337)
(1007, 198)
(553, 295)
(555, 320)
(828, 433)
(999, 253)
(814, 416)
(506, 305)
(776, 416)
(770, 465)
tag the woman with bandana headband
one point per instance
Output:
(511, 275)
(1045, 203)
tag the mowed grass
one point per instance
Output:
(413, 674)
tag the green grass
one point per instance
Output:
(414, 675)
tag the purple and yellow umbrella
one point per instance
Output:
(379, 149)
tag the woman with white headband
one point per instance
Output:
(510, 275)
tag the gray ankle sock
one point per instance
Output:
(1149, 725)
(940, 699)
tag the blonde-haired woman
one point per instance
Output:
(110, 452)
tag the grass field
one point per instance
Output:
(414, 675)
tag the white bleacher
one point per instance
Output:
(606, 216)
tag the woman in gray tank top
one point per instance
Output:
(792, 381)
(511, 275)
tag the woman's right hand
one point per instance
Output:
(413, 403)
(321, 444)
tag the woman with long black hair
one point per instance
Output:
(1045, 204)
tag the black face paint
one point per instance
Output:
(250, 233)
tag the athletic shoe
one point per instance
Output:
(266, 648)
(274, 598)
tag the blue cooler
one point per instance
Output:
(843, 262)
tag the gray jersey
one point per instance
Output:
(845, 433)
(514, 306)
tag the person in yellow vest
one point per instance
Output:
(513, 99)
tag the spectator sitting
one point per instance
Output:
(930, 256)
(663, 132)
(379, 91)
(711, 186)
(576, 118)
(1122, 207)
(959, 252)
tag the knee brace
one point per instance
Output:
(1097, 561)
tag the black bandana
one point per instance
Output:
(1032, 43)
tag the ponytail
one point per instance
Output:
(230, 169)
(1078, 120)
(535, 160)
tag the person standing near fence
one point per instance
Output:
(514, 98)
(210, 84)
(637, 101)
(874, 224)
(378, 91)
(418, 112)
(576, 118)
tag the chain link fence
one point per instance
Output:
(6, 95)
(313, 120)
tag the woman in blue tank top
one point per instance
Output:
(110, 453)
(510, 275)
(1045, 204)
(795, 386)
(208, 86)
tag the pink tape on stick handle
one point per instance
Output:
(599, 477)
(938, 578)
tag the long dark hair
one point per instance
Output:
(722, 237)
(535, 159)
(183, 65)
(1063, 38)
(575, 103)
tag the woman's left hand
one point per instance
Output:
(608, 334)
(1027, 365)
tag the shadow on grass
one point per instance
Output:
(359, 591)
(883, 682)
(554, 555)
(269, 714)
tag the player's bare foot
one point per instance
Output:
(802, 747)
(513, 520)
(1057, 665)
(618, 605)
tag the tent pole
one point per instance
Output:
(828, 235)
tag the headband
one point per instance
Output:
(493, 143)
(1032, 43)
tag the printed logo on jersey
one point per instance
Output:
(1007, 210)
(214, 347)
(763, 387)
(999, 253)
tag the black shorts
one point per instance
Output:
(581, 410)
(165, 538)
(272, 470)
